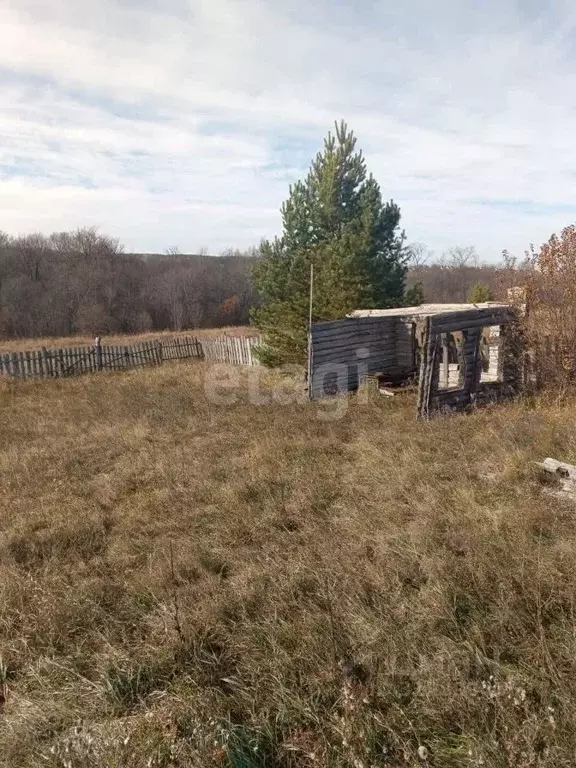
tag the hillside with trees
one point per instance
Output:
(83, 283)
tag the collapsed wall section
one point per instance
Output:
(442, 389)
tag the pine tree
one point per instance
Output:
(480, 293)
(415, 295)
(335, 219)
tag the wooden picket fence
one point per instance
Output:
(72, 361)
(236, 350)
(181, 348)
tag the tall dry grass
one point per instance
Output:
(184, 583)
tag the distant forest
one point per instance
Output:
(446, 283)
(84, 283)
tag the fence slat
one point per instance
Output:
(15, 366)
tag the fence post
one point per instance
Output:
(98, 353)
(159, 352)
(14, 363)
(45, 362)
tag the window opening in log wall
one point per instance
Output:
(450, 360)
(491, 343)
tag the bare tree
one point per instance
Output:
(32, 251)
(418, 254)
(460, 256)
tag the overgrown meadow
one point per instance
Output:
(185, 582)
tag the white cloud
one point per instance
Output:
(185, 121)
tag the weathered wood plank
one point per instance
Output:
(355, 333)
(354, 350)
(356, 324)
(355, 343)
(449, 323)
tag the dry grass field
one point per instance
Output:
(186, 583)
(29, 345)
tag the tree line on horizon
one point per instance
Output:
(84, 283)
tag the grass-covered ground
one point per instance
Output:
(185, 582)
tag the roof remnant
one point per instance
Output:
(425, 310)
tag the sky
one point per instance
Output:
(183, 122)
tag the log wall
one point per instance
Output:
(342, 352)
